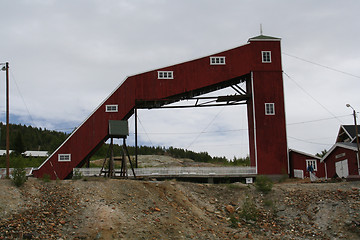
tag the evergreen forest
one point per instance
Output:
(27, 138)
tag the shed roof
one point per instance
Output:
(263, 38)
(36, 154)
(305, 154)
(346, 145)
(3, 152)
(347, 133)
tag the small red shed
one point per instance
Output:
(299, 162)
(341, 161)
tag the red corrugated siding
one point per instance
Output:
(188, 76)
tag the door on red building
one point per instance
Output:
(342, 169)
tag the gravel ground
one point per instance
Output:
(96, 208)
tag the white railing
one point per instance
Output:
(178, 171)
(88, 172)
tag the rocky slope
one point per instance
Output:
(97, 208)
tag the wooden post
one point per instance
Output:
(125, 149)
(7, 121)
(136, 142)
(111, 160)
(357, 141)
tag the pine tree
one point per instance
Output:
(19, 146)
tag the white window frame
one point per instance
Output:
(111, 108)
(165, 75)
(313, 162)
(266, 56)
(269, 108)
(217, 60)
(64, 157)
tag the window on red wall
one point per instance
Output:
(269, 108)
(311, 162)
(165, 75)
(217, 60)
(266, 56)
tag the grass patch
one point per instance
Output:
(234, 221)
(263, 184)
(46, 178)
(77, 174)
(268, 203)
(19, 174)
(23, 161)
(249, 210)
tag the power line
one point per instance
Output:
(306, 141)
(22, 98)
(192, 133)
(237, 130)
(312, 97)
(211, 132)
(319, 120)
(321, 65)
(145, 131)
(222, 109)
(221, 145)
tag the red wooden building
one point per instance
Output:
(342, 158)
(257, 63)
(299, 162)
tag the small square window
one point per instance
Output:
(311, 162)
(217, 60)
(111, 108)
(64, 157)
(165, 75)
(269, 108)
(266, 56)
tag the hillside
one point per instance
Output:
(129, 209)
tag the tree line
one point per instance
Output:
(172, 152)
(25, 138)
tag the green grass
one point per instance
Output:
(24, 162)
(263, 184)
(249, 210)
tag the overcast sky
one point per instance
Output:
(67, 56)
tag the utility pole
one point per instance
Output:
(7, 121)
(6, 68)
(136, 140)
(357, 137)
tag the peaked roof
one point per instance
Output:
(347, 133)
(263, 38)
(304, 153)
(347, 145)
